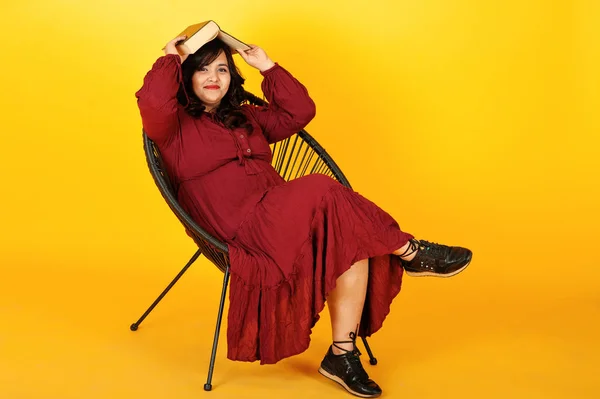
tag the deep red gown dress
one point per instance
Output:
(288, 241)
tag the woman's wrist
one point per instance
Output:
(266, 66)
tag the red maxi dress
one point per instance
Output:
(288, 241)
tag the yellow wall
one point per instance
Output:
(473, 123)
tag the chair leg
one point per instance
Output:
(135, 325)
(208, 385)
(372, 359)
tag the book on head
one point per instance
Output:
(200, 34)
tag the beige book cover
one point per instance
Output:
(200, 34)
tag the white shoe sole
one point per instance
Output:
(432, 274)
(343, 384)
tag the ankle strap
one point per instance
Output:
(352, 341)
(413, 245)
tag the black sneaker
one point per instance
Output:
(436, 260)
(347, 370)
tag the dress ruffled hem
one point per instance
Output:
(274, 321)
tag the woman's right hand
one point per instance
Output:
(181, 50)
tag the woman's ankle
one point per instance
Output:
(408, 251)
(340, 349)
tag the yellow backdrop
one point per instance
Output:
(473, 123)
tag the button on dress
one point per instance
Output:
(288, 241)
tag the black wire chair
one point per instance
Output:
(296, 156)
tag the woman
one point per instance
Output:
(292, 245)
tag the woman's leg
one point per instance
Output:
(346, 304)
(341, 363)
(347, 300)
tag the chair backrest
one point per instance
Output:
(296, 156)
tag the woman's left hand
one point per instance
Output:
(256, 57)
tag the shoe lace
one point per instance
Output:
(434, 249)
(354, 356)
(413, 246)
(357, 367)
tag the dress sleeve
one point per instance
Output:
(290, 108)
(157, 99)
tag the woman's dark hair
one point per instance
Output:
(229, 112)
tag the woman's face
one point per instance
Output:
(211, 82)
